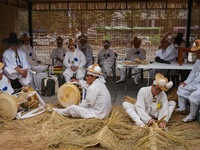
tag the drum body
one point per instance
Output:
(34, 99)
(8, 106)
(69, 94)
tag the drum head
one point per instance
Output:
(34, 102)
(8, 106)
(68, 94)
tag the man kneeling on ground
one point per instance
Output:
(152, 103)
(97, 102)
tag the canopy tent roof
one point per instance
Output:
(99, 4)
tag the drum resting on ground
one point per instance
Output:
(9, 104)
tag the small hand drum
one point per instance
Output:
(69, 94)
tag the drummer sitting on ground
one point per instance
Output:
(97, 102)
(152, 103)
(4, 82)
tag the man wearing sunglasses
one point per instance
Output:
(152, 104)
(97, 102)
(164, 55)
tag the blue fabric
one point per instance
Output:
(108, 55)
(85, 96)
(75, 59)
(138, 52)
(5, 88)
(30, 54)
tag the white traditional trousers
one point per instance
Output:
(131, 111)
(14, 74)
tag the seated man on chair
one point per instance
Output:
(30, 53)
(15, 60)
(107, 58)
(59, 53)
(86, 49)
(74, 62)
(4, 82)
(33, 61)
(164, 55)
(190, 89)
(97, 102)
(152, 103)
(131, 55)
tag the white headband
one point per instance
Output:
(83, 38)
(97, 75)
(154, 82)
(106, 43)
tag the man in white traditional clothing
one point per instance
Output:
(74, 62)
(107, 58)
(30, 53)
(97, 102)
(4, 82)
(132, 54)
(59, 53)
(86, 49)
(15, 60)
(152, 103)
(33, 61)
(164, 55)
(190, 88)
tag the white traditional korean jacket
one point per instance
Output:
(110, 57)
(88, 54)
(10, 62)
(193, 84)
(9, 59)
(75, 58)
(60, 53)
(146, 108)
(134, 53)
(5, 85)
(30, 54)
(167, 55)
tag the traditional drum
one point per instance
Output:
(9, 104)
(55, 70)
(69, 94)
(34, 99)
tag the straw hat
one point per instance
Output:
(95, 69)
(59, 39)
(12, 40)
(106, 42)
(1, 65)
(162, 82)
(196, 45)
(136, 40)
(82, 37)
(25, 37)
(179, 38)
(168, 36)
(8, 106)
(71, 42)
